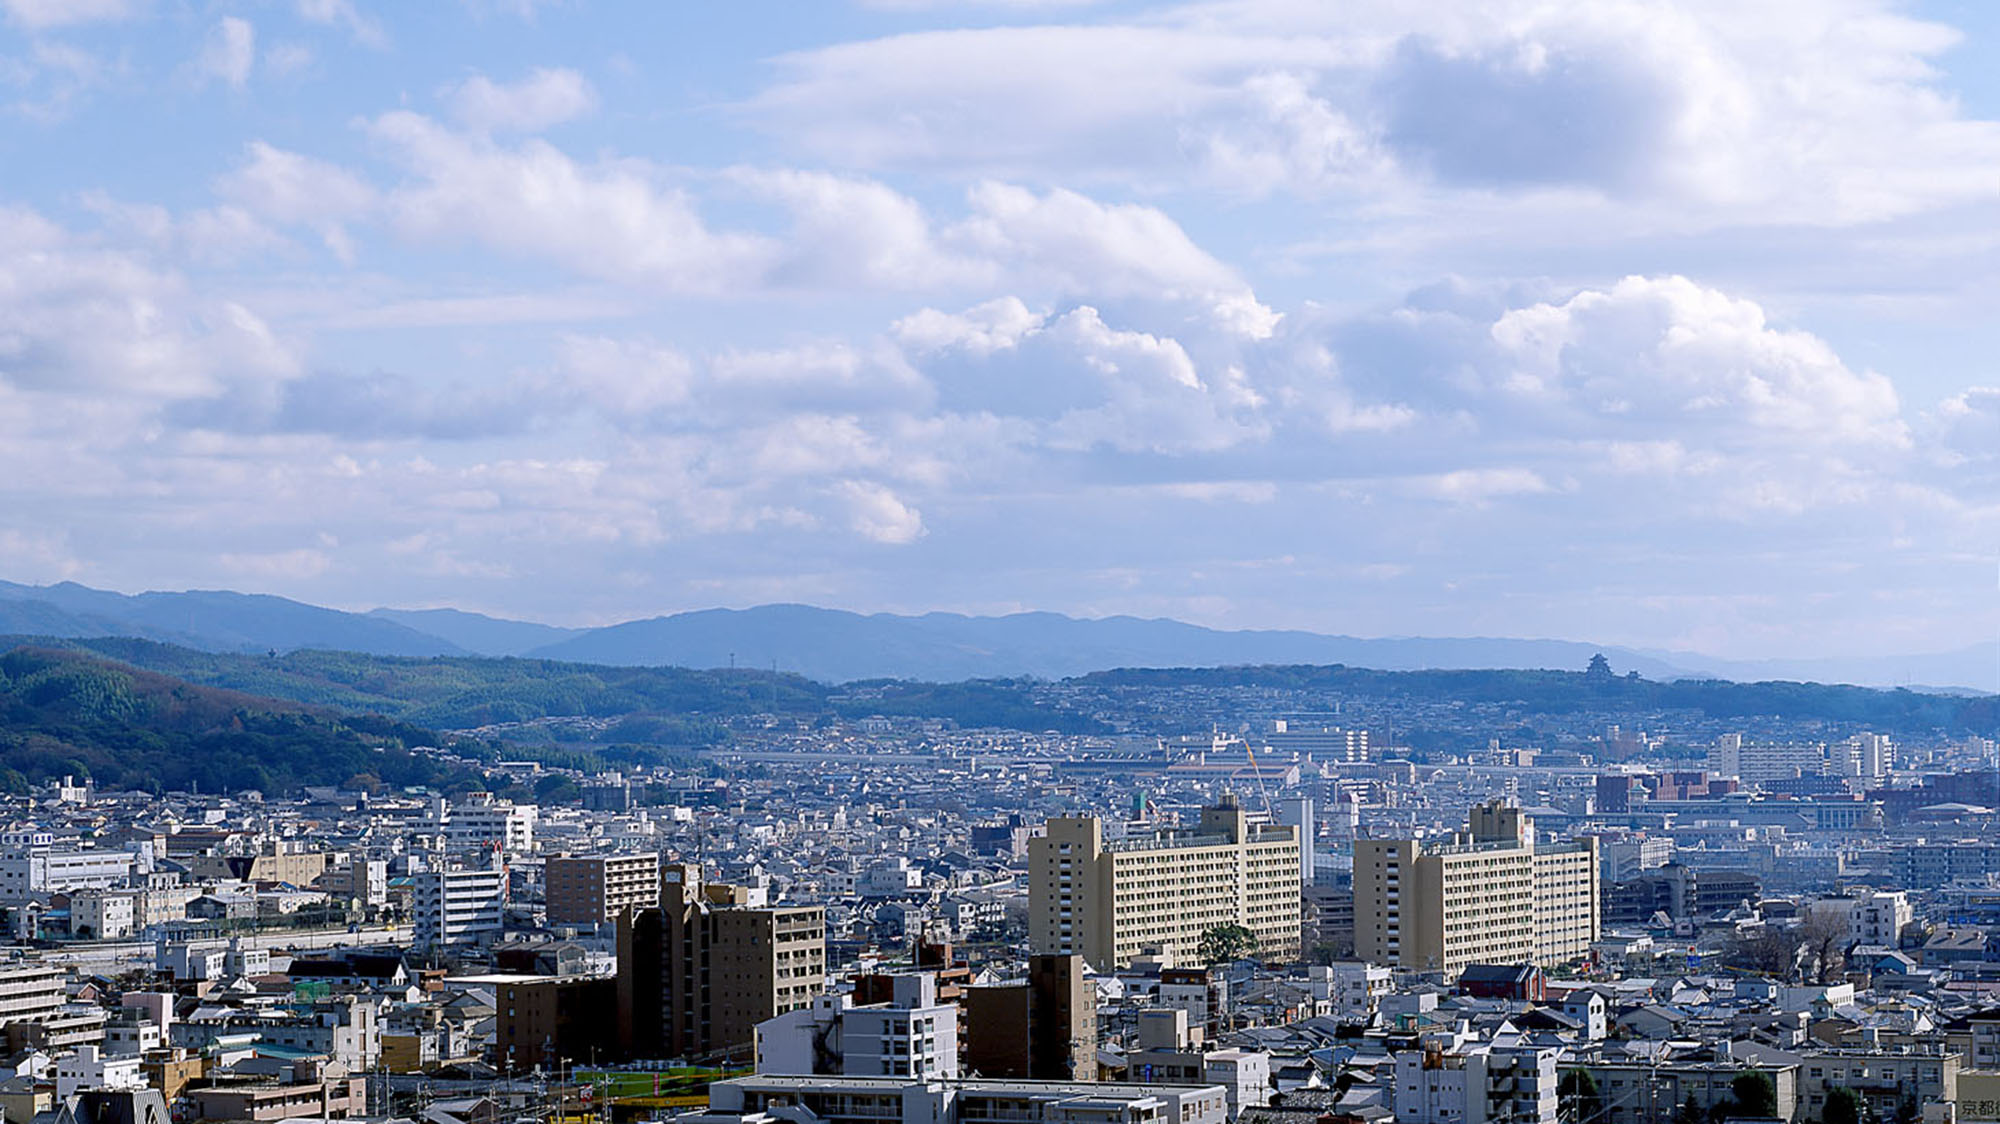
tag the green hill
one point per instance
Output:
(65, 712)
(652, 705)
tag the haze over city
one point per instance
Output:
(1668, 326)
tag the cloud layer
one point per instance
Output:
(1367, 318)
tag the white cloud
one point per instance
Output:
(547, 96)
(1479, 485)
(876, 513)
(343, 13)
(1091, 249)
(1797, 111)
(614, 220)
(292, 189)
(1665, 353)
(75, 319)
(849, 231)
(997, 325)
(288, 187)
(229, 51)
(40, 14)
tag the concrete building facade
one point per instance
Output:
(596, 889)
(1111, 901)
(1487, 895)
(698, 973)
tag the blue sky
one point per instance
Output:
(1667, 324)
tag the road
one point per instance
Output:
(127, 952)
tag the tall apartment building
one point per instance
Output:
(31, 993)
(1488, 895)
(699, 972)
(459, 906)
(1110, 901)
(595, 889)
(1869, 757)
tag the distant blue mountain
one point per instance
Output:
(216, 621)
(835, 646)
(476, 632)
(832, 645)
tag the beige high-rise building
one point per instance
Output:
(595, 889)
(1488, 895)
(1112, 900)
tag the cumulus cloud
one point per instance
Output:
(546, 97)
(1652, 353)
(876, 513)
(635, 222)
(996, 325)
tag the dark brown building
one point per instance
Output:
(697, 974)
(595, 889)
(1043, 1028)
(549, 1021)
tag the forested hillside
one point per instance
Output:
(65, 712)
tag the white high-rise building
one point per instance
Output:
(912, 1035)
(459, 906)
(1870, 757)
(1297, 812)
(484, 825)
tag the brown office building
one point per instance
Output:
(1042, 1029)
(595, 889)
(697, 974)
(550, 1020)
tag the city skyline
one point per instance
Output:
(1660, 325)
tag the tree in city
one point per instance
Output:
(1767, 950)
(1689, 1112)
(1823, 935)
(1752, 1093)
(1908, 1111)
(1843, 1106)
(1224, 943)
(1578, 1100)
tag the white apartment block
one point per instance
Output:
(39, 871)
(1445, 1084)
(484, 825)
(31, 993)
(459, 906)
(913, 1035)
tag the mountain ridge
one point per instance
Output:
(838, 645)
